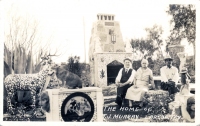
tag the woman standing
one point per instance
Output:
(142, 79)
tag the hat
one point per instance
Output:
(184, 70)
(168, 57)
(128, 59)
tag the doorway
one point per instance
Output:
(112, 71)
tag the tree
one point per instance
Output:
(154, 35)
(74, 65)
(150, 44)
(183, 23)
(22, 46)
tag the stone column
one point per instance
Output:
(92, 73)
(182, 57)
(53, 115)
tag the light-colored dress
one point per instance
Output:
(185, 89)
(143, 78)
(182, 96)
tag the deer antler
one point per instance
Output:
(54, 53)
(47, 57)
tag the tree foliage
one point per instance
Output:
(183, 23)
(22, 45)
(150, 44)
(74, 65)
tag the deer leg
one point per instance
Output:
(33, 97)
(20, 95)
(10, 108)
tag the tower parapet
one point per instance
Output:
(109, 17)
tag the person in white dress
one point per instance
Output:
(185, 80)
(184, 89)
(142, 79)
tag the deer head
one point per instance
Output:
(46, 59)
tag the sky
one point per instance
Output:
(67, 21)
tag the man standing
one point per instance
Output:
(124, 80)
(169, 76)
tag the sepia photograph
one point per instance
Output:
(98, 61)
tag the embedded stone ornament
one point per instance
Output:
(75, 105)
(128, 47)
(97, 45)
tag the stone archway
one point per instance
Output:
(112, 71)
(100, 64)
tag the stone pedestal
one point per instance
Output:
(174, 50)
(60, 99)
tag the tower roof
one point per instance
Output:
(103, 16)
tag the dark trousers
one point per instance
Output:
(121, 93)
(170, 87)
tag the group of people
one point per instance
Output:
(132, 85)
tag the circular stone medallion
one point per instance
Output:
(77, 107)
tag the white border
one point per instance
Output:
(197, 114)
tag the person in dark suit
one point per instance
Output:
(124, 80)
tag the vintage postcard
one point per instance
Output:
(111, 62)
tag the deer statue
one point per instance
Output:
(31, 82)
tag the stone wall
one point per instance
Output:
(101, 62)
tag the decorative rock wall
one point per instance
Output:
(109, 90)
(101, 62)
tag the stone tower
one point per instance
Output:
(107, 50)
